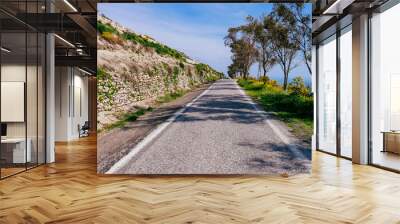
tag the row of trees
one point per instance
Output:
(276, 38)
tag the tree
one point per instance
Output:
(304, 29)
(233, 70)
(266, 55)
(283, 28)
(242, 44)
(298, 87)
(263, 43)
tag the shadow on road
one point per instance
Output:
(221, 108)
(157, 117)
(281, 158)
(234, 114)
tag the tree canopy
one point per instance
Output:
(273, 39)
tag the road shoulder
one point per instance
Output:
(276, 123)
(115, 144)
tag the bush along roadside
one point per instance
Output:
(294, 107)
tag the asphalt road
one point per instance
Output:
(221, 132)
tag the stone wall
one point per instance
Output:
(132, 76)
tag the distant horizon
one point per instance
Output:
(197, 30)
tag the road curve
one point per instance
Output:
(221, 132)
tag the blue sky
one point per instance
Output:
(196, 29)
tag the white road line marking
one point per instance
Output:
(274, 128)
(150, 137)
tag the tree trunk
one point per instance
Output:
(265, 73)
(308, 65)
(285, 81)
(309, 68)
(246, 71)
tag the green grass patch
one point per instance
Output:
(111, 34)
(171, 96)
(159, 48)
(133, 116)
(296, 110)
(128, 117)
(209, 73)
(106, 87)
(106, 31)
(106, 28)
(300, 126)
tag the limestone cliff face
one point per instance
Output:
(134, 70)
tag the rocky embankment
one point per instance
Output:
(134, 70)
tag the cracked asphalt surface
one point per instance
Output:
(221, 133)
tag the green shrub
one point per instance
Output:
(201, 68)
(244, 83)
(264, 79)
(175, 75)
(293, 108)
(159, 48)
(181, 65)
(207, 72)
(106, 87)
(281, 101)
(134, 116)
(112, 38)
(102, 28)
(212, 78)
(297, 87)
(101, 74)
(171, 96)
(273, 98)
(125, 118)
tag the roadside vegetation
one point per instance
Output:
(280, 39)
(294, 106)
(209, 73)
(125, 118)
(171, 96)
(133, 116)
(106, 88)
(112, 35)
(123, 85)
